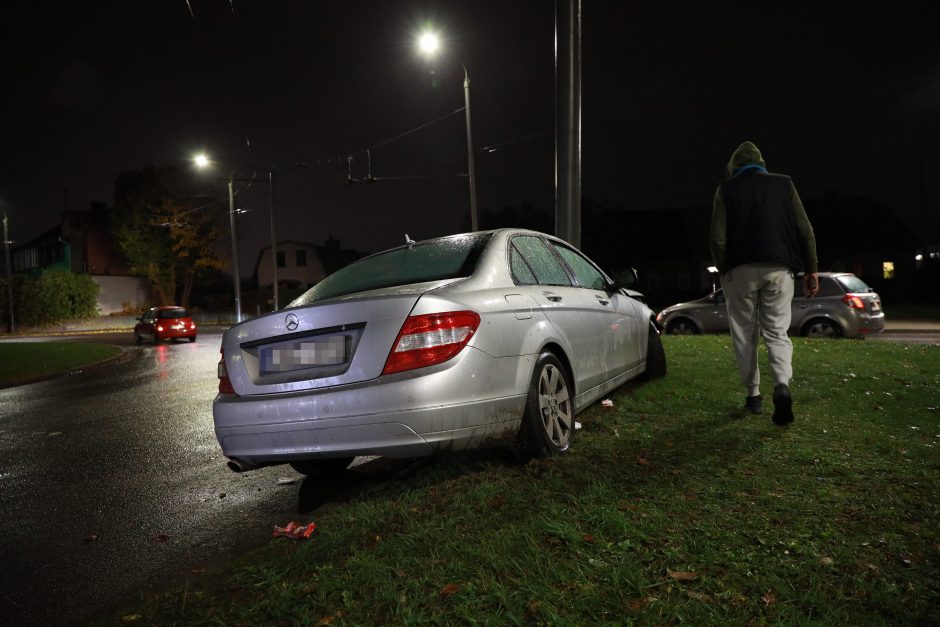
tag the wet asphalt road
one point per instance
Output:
(112, 482)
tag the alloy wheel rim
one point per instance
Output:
(555, 406)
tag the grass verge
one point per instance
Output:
(672, 507)
(22, 362)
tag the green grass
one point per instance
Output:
(21, 362)
(672, 507)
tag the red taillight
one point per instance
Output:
(853, 301)
(431, 339)
(225, 385)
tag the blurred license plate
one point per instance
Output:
(876, 306)
(307, 353)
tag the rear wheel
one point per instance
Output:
(548, 421)
(655, 356)
(156, 339)
(681, 326)
(192, 338)
(322, 467)
(820, 327)
(137, 339)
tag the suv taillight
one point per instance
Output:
(431, 339)
(225, 385)
(853, 301)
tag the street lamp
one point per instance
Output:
(429, 43)
(203, 162)
(11, 326)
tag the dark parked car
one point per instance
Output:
(844, 307)
(169, 322)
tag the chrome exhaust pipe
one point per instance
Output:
(238, 465)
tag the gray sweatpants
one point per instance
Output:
(758, 297)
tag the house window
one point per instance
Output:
(887, 269)
(280, 259)
(301, 258)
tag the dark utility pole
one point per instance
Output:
(568, 121)
(11, 326)
(273, 238)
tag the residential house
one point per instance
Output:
(83, 244)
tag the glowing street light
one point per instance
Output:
(202, 162)
(429, 44)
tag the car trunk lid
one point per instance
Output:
(337, 342)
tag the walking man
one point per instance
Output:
(759, 238)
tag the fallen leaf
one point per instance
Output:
(130, 618)
(624, 507)
(161, 537)
(700, 596)
(448, 590)
(769, 598)
(680, 575)
(497, 502)
(826, 561)
(588, 538)
(639, 604)
(328, 620)
(642, 461)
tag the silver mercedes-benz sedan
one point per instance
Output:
(482, 339)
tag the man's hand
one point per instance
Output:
(810, 284)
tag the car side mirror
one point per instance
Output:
(624, 277)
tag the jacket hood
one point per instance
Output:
(745, 154)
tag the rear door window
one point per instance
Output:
(176, 312)
(544, 264)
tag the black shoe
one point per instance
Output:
(783, 405)
(754, 404)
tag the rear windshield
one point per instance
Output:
(853, 284)
(433, 260)
(176, 312)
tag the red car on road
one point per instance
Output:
(169, 322)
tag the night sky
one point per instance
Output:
(844, 98)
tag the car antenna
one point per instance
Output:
(409, 241)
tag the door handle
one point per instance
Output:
(602, 300)
(552, 296)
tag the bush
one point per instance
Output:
(54, 296)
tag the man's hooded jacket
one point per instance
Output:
(757, 217)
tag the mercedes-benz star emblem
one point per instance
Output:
(291, 321)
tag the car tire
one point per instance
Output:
(681, 326)
(548, 424)
(192, 338)
(156, 339)
(322, 468)
(821, 327)
(137, 339)
(655, 356)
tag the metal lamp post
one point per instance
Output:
(11, 326)
(429, 44)
(231, 223)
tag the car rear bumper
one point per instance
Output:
(170, 334)
(478, 401)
